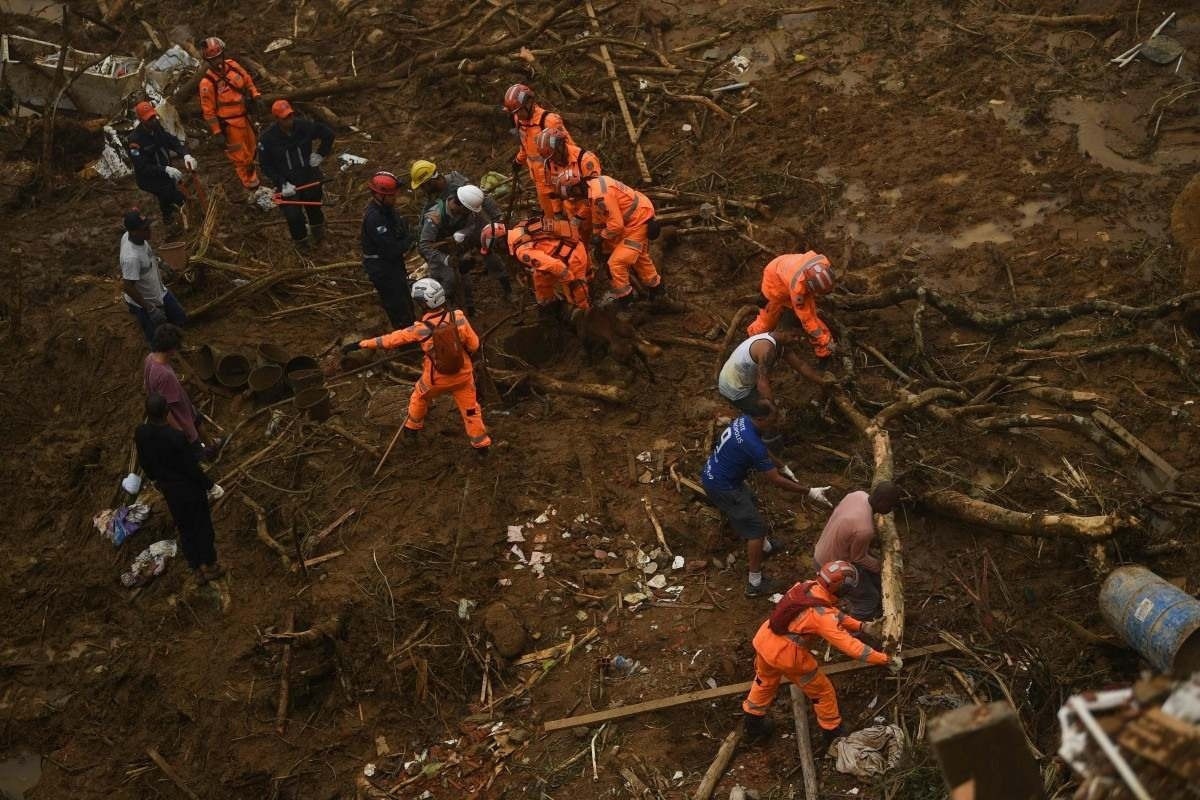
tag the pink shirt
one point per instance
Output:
(848, 534)
(161, 379)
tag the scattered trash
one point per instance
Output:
(799, 58)
(119, 524)
(164, 70)
(739, 63)
(465, 607)
(644, 457)
(348, 160)
(1161, 50)
(678, 776)
(514, 533)
(149, 563)
(132, 483)
(1184, 702)
(686, 128)
(869, 752)
(711, 683)
(278, 44)
(276, 421)
(505, 581)
(657, 582)
(650, 568)
(634, 598)
(263, 197)
(519, 553)
(625, 666)
(677, 563)
(111, 164)
(369, 770)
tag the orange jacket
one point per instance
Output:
(785, 274)
(421, 332)
(223, 96)
(818, 622)
(527, 133)
(551, 254)
(585, 163)
(617, 207)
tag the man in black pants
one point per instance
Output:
(287, 158)
(385, 241)
(171, 463)
(150, 147)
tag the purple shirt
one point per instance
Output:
(161, 379)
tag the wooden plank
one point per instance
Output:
(1119, 431)
(1170, 743)
(804, 743)
(700, 696)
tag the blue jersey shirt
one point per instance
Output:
(739, 450)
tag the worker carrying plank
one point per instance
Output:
(150, 147)
(808, 612)
(287, 158)
(449, 341)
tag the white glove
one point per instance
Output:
(817, 495)
(190, 163)
(787, 472)
(315, 159)
(288, 190)
(872, 628)
(460, 236)
(895, 665)
(174, 174)
(216, 492)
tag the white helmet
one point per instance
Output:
(471, 197)
(429, 292)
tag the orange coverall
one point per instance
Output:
(779, 656)
(223, 102)
(556, 262)
(621, 214)
(577, 210)
(783, 286)
(527, 153)
(433, 383)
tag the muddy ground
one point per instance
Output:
(1001, 162)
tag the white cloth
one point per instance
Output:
(740, 373)
(140, 265)
(869, 752)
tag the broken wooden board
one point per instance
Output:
(1170, 743)
(987, 744)
(721, 691)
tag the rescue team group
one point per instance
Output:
(587, 219)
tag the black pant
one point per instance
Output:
(295, 215)
(395, 295)
(188, 504)
(166, 191)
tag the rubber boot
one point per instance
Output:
(506, 288)
(303, 246)
(757, 728)
(656, 293)
(316, 233)
(410, 435)
(828, 737)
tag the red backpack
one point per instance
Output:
(793, 604)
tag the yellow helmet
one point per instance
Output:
(421, 172)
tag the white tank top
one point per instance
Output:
(740, 373)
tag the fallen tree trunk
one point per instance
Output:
(891, 573)
(1044, 526)
(1072, 422)
(265, 282)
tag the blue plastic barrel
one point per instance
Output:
(1157, 619)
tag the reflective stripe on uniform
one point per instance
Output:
(865, 654)
(749, 706)
(379, 342)
(476, 440)
(798, 275)
(632, 245)
(632, 208)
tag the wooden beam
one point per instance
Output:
(630, 128)
(721, 691)
(804, 742)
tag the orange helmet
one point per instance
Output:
(490, 233)
(837, 575)
(145, 111)
(213, 48)
(516, 96)
(282, 109)
(818, 277)
(567, 179)
(549, 140)
(383, 184)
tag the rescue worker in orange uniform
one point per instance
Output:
(796, 280)
(529, 120)
(227, 95)
(557, 263)
(624, 224)
(806, 613)
(437, 378)
(560, 154)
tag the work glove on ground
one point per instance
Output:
(895, 665)
(157, 316)
(350, 348)
(315, 159)
(288, 190)
(817, 495)
(174, 174)
(190, 163)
